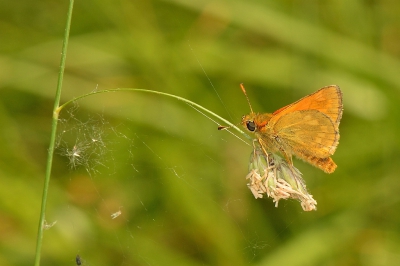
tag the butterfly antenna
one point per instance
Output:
(251, 109)
(245, 94)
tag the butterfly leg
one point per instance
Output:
(262, 145)
(254, 147)
(289, 159)
(270, 159)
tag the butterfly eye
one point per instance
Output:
(250, 125)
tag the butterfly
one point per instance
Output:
(307, 128)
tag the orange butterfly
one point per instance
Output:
(308, 128)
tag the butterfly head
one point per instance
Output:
(248, 122)
(256, 122)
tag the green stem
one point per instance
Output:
(39, 239)
(194, 105)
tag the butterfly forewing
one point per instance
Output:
(327, 100)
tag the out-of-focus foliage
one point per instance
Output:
(178, 182)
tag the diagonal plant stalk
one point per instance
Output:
(190, 103)
(53, 135)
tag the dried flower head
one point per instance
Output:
(270, 174)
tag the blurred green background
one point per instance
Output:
(178, 182)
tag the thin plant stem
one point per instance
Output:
(39, 239)
(190, 103)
